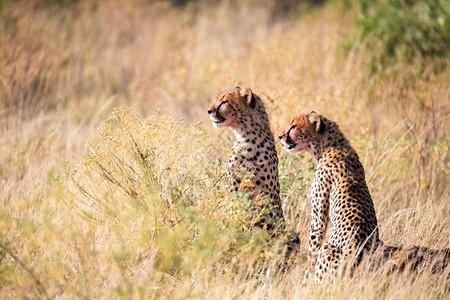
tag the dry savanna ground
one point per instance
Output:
(103, 200)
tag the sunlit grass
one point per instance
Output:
(102, 202)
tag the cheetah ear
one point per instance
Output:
(248, 95)
(317, 122)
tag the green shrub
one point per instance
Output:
(159, 177)
(405, 31)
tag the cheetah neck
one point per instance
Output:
(253, 133)
(331, 140)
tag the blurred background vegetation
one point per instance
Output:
(413, 31)
(112, 179)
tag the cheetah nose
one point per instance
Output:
(280, 137)
(209, 111)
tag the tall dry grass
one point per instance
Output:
(64, 69)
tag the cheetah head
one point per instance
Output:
(303, 133)
(230, 106)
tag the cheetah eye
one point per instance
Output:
(223, 102)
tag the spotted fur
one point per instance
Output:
(253, 166)
(339, 193)
(340, 196)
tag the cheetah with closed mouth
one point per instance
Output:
(339, 192)
(254, 154)
(340, 196)
(254, 151)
